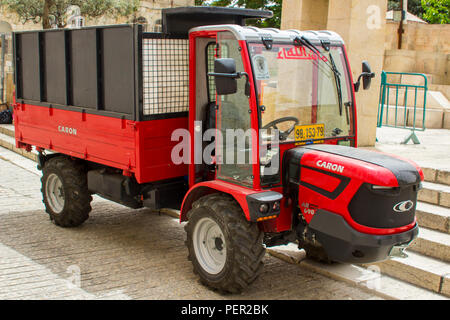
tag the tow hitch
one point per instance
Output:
(399, 251)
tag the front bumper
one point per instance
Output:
(344, 244)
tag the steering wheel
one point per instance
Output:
(283, 134)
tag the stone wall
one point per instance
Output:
(425, 49)
(436, 65)
(304, 15)
(419, 36)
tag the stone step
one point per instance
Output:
(436, 175)
(432, 244)
(7, 129)
(435, 193)
(9, 142)
(444, 89)
(396, 116)
(433, 217)
(419, 270)
(435, 99)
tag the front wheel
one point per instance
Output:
(225, 249)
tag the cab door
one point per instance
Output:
(235, 137)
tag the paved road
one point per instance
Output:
(119, 253)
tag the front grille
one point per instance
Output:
(375, 208)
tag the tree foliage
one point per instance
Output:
(432, 11)
(55, 11)
(414, 7)
(436, 11)
(272, 5)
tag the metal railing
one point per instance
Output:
(406, 115)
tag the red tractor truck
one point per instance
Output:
(104, 107)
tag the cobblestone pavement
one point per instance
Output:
(118, 253)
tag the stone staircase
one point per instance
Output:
(428, 262)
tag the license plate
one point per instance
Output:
(312, 133)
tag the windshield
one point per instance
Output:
(300, 90)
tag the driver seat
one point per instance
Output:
(210, 115)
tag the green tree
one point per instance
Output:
(414, 7)
(272, 5)
(436, 11)
(48, 11)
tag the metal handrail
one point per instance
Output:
(408, 113)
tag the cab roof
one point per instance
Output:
(252, 34)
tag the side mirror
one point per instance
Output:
(225, 76)
(367, 76)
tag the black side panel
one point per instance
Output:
(29, 79)
(405, 172)
(84, 68)
(118, 62)
(55, 67)
(92, 70)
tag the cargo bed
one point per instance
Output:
(111, 95)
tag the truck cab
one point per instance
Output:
(281, 107)
(278, 94)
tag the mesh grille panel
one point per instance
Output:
(210, 56)
(165, 75)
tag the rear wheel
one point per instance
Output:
(65, 193)
(225, 249)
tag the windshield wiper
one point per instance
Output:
(337, 76)
(305, 42)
